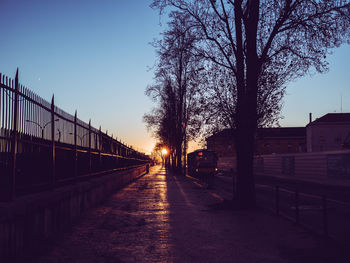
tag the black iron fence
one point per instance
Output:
(318, 213)
(42, 146)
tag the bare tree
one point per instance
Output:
(177, 68)
(162, 118)
(253, 37)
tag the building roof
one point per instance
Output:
(278, 132)
(333, 118)
(282, 132)
(222, 134)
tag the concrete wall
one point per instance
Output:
(318, 165)
(31, 222)
(315, 165)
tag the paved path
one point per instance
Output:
(167, 218)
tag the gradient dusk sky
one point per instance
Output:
(95, 55)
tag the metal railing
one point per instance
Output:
(317, 213)
(42, 146)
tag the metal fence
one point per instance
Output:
(42, 146)
(318, 213)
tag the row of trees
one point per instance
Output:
(176, 120)
(226, 64)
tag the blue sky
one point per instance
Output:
(94, 56)
(320, 93)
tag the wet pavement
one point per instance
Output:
(164, 217)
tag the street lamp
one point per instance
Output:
(163, 152)
(42, 127)
(80, 137)
(59, 135)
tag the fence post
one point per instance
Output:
(277, 198)
(12, 179)
(297, 206)
(325, 215)
(100, 149)
(75, 147)
(53, 149)
(90, 146)
(113, 152)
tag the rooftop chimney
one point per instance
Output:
(310, 117)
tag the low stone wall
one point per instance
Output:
(31, 222)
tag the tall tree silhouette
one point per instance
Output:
(177, 75)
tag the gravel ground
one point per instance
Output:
(164, 217)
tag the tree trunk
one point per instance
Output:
(178, 157)
(245, 189)
(173, 161)
(246, 104)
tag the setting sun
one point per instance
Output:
(164, 151)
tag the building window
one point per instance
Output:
(300, 147)
(338, 139)
(322, 139)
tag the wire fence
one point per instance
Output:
(42, 146)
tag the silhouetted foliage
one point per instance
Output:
(175, 120)
(259, 41)
(220, 99)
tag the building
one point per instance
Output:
(281, 140)
(268, 141)
(331, 132)
(318, 151)
(222, 143)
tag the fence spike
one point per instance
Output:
(34, 113)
